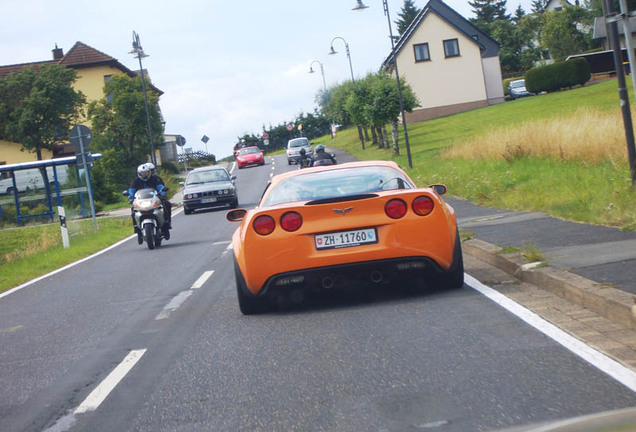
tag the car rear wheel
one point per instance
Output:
(454, 278)
(248, 304)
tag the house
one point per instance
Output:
(451, 65)
(600, 32)
(94, 69)
(557, 5)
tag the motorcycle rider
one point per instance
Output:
(320, 153)
(303, 159)
(145, 179)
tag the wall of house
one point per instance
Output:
(90, 81)
(10, 153)
(493, 80)
(441, 81)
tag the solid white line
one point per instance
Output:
(101, 392)
(620, 373)
(66, 267)
(202, 279)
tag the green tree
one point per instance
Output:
(38, 107)
(561, 34)
(407, 14)
(487, 12)
(120, 129)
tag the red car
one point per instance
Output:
(250, 156)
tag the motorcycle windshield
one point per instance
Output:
(145, 193)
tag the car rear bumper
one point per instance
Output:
(351, 275)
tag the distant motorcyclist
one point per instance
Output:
(321, 154)
(145, 179)
(303, 160)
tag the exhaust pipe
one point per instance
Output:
(376, 277)
(327, 282)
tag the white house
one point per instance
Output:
(451, 65)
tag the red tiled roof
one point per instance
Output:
(80, 55)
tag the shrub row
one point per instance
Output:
(558, 75)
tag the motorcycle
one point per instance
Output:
(304, 162)
(149, 217)
(325, 162)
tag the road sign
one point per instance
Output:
(205, 139)
(265, 135)
(290, 126)
(266, 142)
(181, 141)
(75, 134)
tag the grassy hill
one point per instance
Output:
(562, 153)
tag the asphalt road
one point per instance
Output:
(145, 340)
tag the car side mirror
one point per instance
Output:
(233, 178)
(236, 215)
(440, 189)
(125, 193)
(181, 183)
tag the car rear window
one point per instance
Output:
(301, 142)
(336, 184)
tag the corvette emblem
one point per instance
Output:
(343, 211)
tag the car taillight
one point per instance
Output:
(395, 209)
(422, 205)
(291, 221)
(264, 225)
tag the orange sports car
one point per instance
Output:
(327, 227)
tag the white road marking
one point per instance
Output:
(204, 277)
(221, 242)
(101, 392)
(620, 373)
(178, 300)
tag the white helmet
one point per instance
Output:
(143, 172)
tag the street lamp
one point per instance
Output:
(138, 53)
(322, 71)
(333, 52)
(360, 7)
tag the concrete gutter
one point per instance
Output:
(614, 304)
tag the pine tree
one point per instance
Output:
(407, 14)
(488, 11)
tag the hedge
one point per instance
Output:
(558, 75)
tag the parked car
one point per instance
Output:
(517, 89)
(328, 228)
(249, 156)
(209, 187)
(293, 149)
(31, 179)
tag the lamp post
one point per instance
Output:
(360, 7)
(333, 52)
(322, 71)
(138, 53)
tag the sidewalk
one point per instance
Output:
(592, 266)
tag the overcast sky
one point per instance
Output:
(226, 67)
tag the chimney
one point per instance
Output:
(58, 53)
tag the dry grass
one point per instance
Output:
(588, 135)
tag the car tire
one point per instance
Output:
(248, 304)
(234, 203)
(187, 211)
(288, 162)
(149, 230)
(454, 278)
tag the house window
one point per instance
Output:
(109, 97)
(421, 52)
(451, 48)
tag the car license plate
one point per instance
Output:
(345, 239)
(208, 200)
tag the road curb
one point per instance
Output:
(615, 305)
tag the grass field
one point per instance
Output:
(562, 153)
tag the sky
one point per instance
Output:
(227, 68)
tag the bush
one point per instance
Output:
(558, 75)
(169, 167)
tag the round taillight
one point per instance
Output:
(291, 221)
(264, 225)
(423, 205)
(395, 209)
